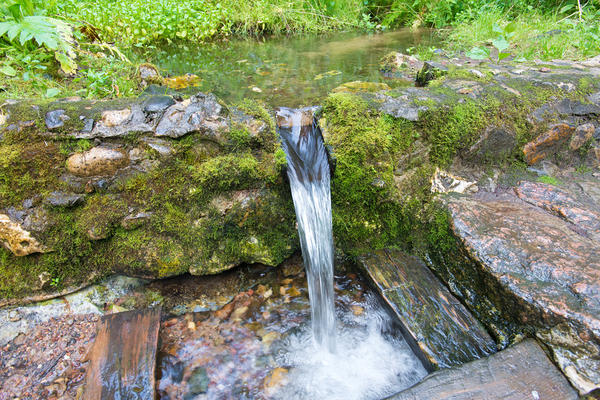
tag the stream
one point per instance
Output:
(287, 71)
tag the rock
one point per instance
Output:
(241, 198)
(65, 200)
(118, 123)
(360, 86)
(547, 143)
(148, 73)
(444, 182)
(161, 146)
(395, 61)
(96, 161)
(439, 325)
(583, 134)
(520, 372)
(563, 204)
(495, 143)
(157, 104)
(198, 382)
(201, 113)
(592, 62)
(538, 269)
(431, 70)
(594, 98)
(18, 240)
(55, 119)
(133, 221)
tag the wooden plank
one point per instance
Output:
(442, 327)
(123, 357)
(520, 372)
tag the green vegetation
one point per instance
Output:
(547, 35)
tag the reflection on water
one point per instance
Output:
(287, 71)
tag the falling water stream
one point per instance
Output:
(308, 171)
(343, 360)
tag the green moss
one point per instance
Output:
(549, 180)
(367, 147)
(100, 215)
(268, 139)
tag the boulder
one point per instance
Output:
(538, 258)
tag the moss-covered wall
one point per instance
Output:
(204, 207)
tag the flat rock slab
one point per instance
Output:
(442, 327)
(123, 357)
(520, 372)
(539, 243)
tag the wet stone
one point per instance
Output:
(64, 200)
(538, 255)
(55, 119)
(201, 113)
(442, 328)
(519, 372)
(96, 161)
(156, 104)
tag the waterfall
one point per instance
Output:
(308, 172)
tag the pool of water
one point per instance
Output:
(286, 71)
(260, 345)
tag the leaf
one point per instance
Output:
(15, 11)
(67, 64)
(566, 8)
(52, 92)
(478, 53)
(8, 70)
(510, 27)
(502, 56)
(500, 43)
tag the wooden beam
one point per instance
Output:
(123, 357)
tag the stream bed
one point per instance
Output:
(242, 334)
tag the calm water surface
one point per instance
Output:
(287, 71)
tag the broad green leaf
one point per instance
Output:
(8, 70)
(478, 53)
(510, 27)
(52, 92)
(15, 11)
(502, 56)
(500, 43)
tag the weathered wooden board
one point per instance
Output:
(443, 329)
(123, 357)
(520, 372)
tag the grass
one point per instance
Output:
(537, 35)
